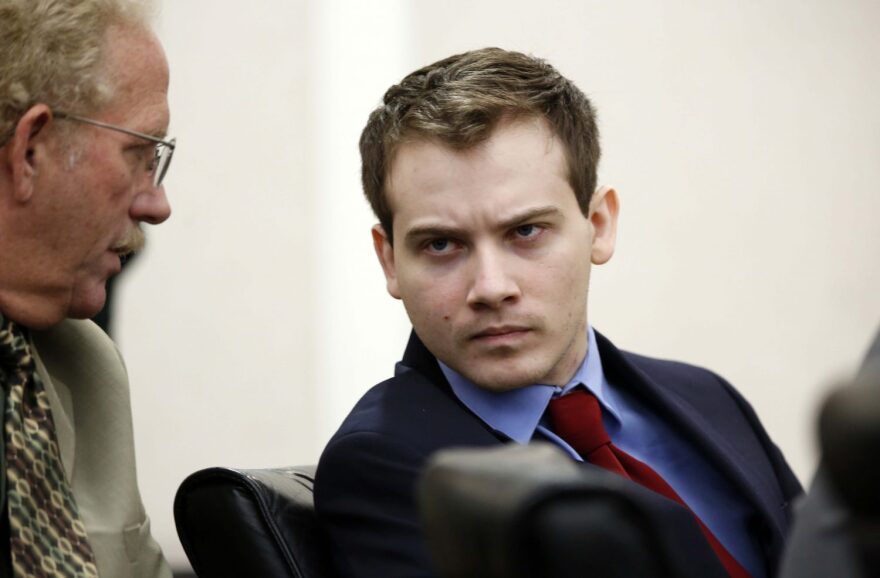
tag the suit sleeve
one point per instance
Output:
(365, 502)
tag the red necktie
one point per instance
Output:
(577, 418)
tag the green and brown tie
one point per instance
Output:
(47, 537)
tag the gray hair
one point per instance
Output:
(52, 51)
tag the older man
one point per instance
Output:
(481, 169)
(83, 115)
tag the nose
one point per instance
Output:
(151, 205)
(493, 285)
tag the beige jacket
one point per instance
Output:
(88, 389)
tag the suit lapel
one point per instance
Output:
(61, 403)
(750, 474)
(418, 358)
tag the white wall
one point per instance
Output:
(742, 137)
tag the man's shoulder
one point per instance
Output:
(79, 336)
(405, 402)
(409, 413)
(673, 370)
(80, 354)
(671, 375)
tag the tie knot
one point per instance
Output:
(577, 418)
(14, 350)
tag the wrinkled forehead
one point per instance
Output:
(137, 73)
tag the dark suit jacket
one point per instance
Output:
(366, 478)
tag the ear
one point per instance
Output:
(385, 253)
(604, 208)
(25, 151)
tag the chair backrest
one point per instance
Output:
(254, 523)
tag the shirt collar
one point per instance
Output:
(592, 376)
(517, 412)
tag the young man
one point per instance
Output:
(83, 114)
(481, 169)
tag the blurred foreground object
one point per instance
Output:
(524, 511)
(849, 431)
(837, 527)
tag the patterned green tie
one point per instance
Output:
(47, 537)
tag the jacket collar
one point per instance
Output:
(417, 357)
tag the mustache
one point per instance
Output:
(132, 242)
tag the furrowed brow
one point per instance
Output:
(420, 232)
(416, 234)
(530, 214)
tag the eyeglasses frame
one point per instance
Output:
(163, 159)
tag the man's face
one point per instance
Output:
(492, 254)
(97, 189)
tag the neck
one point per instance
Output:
(29, 311)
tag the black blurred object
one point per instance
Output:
(526, 511)
(837, 525)
(254, 523)
(849, 433)
(849, 430)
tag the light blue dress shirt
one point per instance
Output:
(632, 427)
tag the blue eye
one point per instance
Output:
(526, 231)
(439, 246)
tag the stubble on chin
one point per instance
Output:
(515, 369)
(501, 371)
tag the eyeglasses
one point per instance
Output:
(162, 155)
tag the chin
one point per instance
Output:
(505, 380)
(85, 305)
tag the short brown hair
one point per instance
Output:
(51, 52)
(459, 100)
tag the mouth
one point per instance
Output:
(500, 334)
(131, 243)
(123, 254)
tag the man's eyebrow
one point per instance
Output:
(529, 215)
(157, 126)
(160, 133)
(443, 231)
(439, 231)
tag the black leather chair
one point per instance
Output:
(251, 523)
